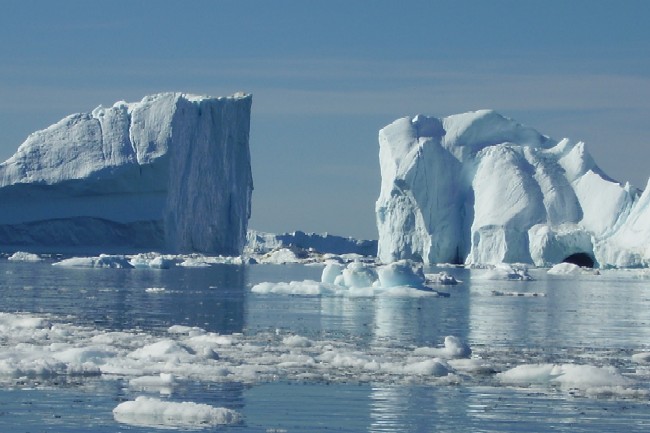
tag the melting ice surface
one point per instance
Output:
(204, 348)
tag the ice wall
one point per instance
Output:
(480, 188)
(171, 173)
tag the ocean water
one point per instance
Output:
(76, 343)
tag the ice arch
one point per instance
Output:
(580, 259)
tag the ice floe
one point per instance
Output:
(506, 271)
(588, 379)
(571, 269)
(359, 279)
(36, 349)
(153, 412)
(21, 256)
(102, 261)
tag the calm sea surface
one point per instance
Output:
(592, 320)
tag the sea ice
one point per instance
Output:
(102, 261)
(21, 256)
(280, 257)
(505, 271)
(153, 412)
(590, 379)
(566, 269)
(454, 348)
(38, 349)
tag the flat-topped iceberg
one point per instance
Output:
(169, 173)
(480, 188)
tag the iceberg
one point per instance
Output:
(262, 242)
(169, 173)
(481, 189)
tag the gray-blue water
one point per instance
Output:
(595, 320)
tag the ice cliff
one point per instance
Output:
(480, 188)
(170, 173)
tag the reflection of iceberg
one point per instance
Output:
(389, 409)
(397, 319)
(573, 312)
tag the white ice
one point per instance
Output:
(21, 256)
(357, 279)
(170, 172)
(153, 412)
(479, 188)
(38, 348)
(590, 379)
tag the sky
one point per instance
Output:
(327, 75)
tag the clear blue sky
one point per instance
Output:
(327, 75)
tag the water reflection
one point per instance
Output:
(210, 298)
(593, 311)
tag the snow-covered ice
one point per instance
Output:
(262, 243)
(171, 172)
(102, 261)
(480, 188)
(589, 379)
(154, 412)
(357, 279)
(21, 256)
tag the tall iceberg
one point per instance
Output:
(170, 173)
(480, 188)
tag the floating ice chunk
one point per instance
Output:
(357, 274)
(164, 350)
(590, 379)
(153, 412)
(401, 273)
(505, 271)
(360, 278)
(429, 367)
(163, 383)
(296, 341)
(200, 261)
(103, 261)
(280, 257)
(641, 358)
(10, 322)
(150, 261)
(82, 355)
(565, 269)
(307, 287)
(331, 271)
(454, 348)
(21, 256)
(442, 278)
(194, 262)
(163, 379)
(471, 365)
(187, 330)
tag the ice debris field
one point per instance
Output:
(41, 348)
